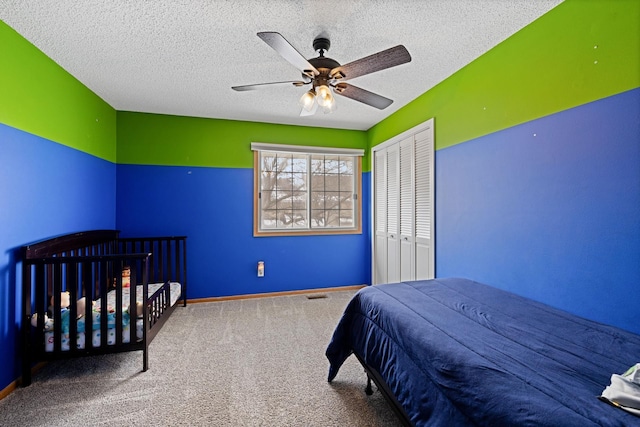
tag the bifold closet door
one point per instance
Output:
(393, 211)
(403, 247)
(380, 218)
(406, 240)
(424, 204)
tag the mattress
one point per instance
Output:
(96, 333)
(457, 352)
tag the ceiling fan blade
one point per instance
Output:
(370, 64)
(288, 52)
(364, 96)
(260, 85)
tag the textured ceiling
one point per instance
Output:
(181, 57)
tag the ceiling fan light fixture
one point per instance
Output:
(325, 98)
(307, 100)
(330, 108)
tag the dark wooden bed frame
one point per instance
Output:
(383, 388)
(89, 264)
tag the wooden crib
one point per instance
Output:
(105, 279)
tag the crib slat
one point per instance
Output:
(40, 307)
(72, 286)
(104, 279)
(118, 308)
(56, 305)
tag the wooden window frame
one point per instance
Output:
(357, 202)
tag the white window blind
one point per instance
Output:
(283, 148)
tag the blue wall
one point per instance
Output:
(552, 216)
(214, 208)
(549, 209)
(46, 189)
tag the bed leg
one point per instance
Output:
(26, 375)
(145, 360)
(368, 390)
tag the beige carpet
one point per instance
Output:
(253, 362)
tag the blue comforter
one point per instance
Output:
(456, 352)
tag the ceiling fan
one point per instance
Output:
(323, 73)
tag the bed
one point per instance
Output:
(95, 292)
(456, 352)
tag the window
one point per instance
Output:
(306, 190)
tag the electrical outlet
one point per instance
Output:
(260, 268)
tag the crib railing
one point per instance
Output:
(91, 278)
(168, 258)
(89, 265)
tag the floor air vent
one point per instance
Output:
(316, 296)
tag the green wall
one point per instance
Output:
(154, 139)
(581, 51)
(49, 102)
(40, 97)
(558, 72)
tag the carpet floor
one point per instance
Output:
(251, 362)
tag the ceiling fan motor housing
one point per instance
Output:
(322, 44)
(324, 65)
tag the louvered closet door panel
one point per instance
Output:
(393, 198)
(380, 219)
(423, 152)
(406, 242)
